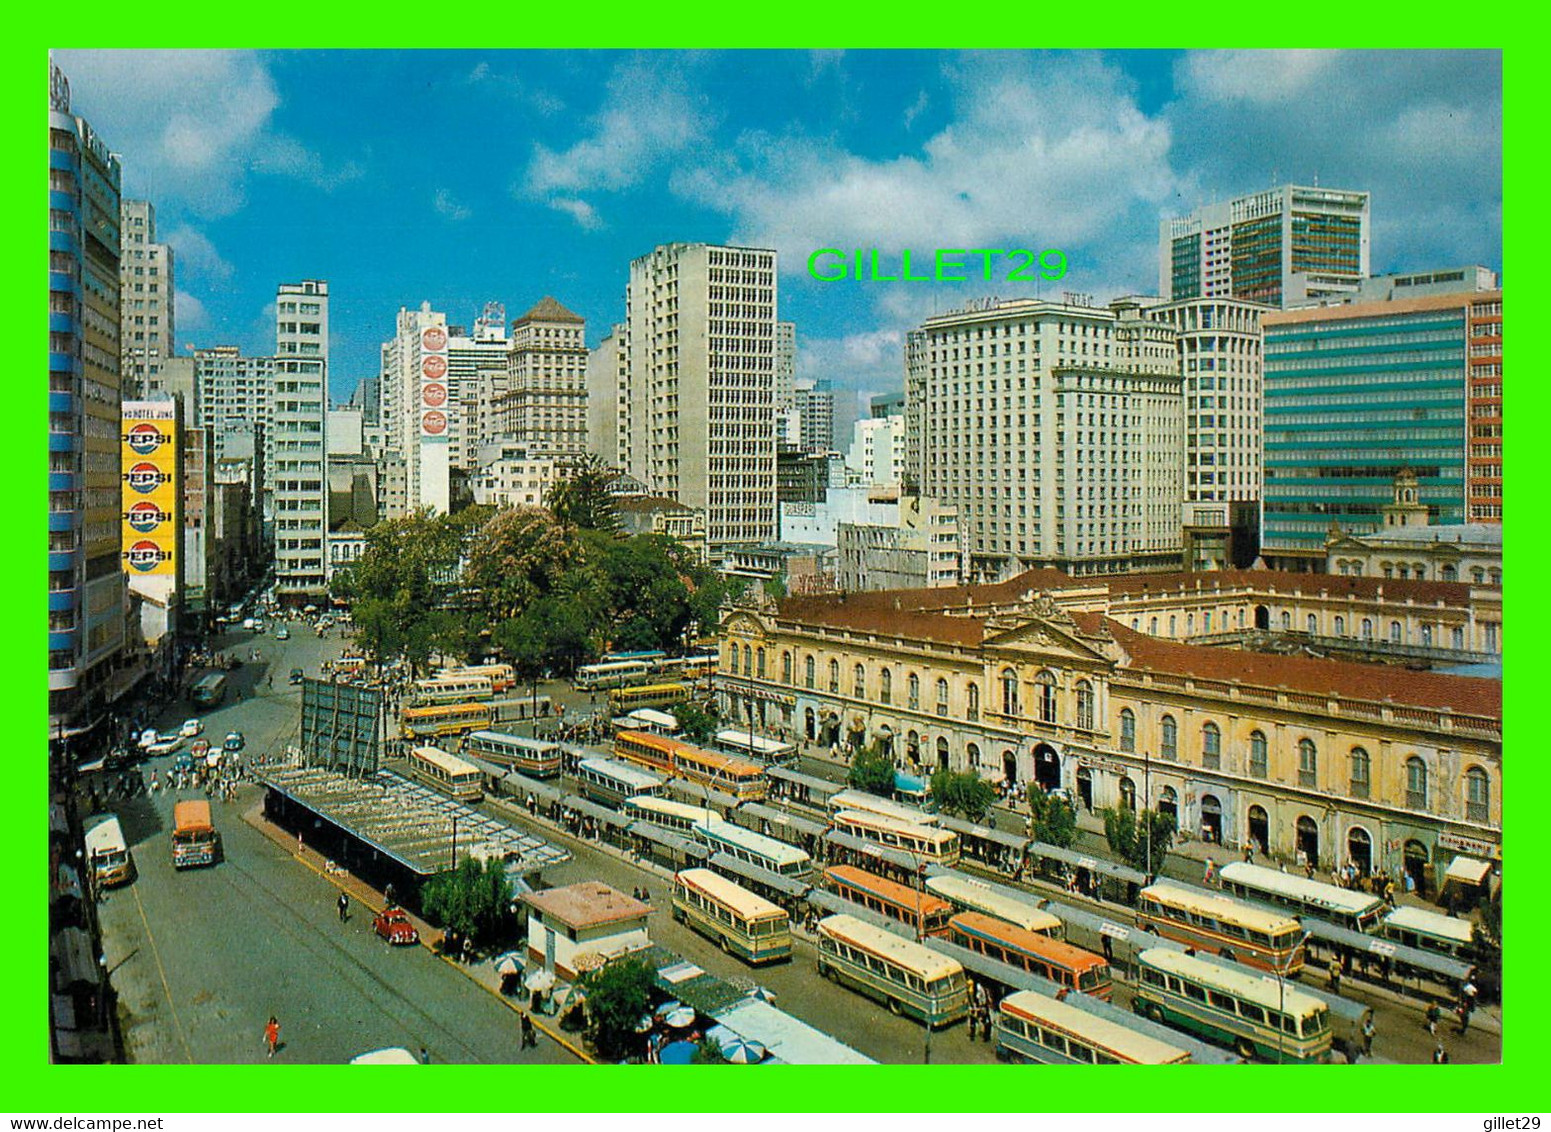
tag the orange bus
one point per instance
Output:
(926, 913)
(743, 780)
(1062, 963)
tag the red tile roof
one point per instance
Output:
(1286, 582)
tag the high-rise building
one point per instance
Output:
(146, 282)
(1354, 395)
(298, 440)
(876, 457)
(1278, 247)
(477, 384)
(417, 407)
(231, 388)
(1055, 429)
(546, 399)
(1484, 409)
(87, 597)
(697, 412)
(815, 405)
(606, 376)
(888, 404)
(786, 363)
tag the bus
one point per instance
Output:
(107, 852)
(740, 922)
(623, 700)
(688, 668)
(451, 690)
(1062, 963)
(912, 790)
(501, 676)
(613, 674)
(444, 719)
(1035, 1027)
(1226, 927)
(755, 748)
(645, 656)
(753, 848)
(924, 913)
(194, 837)
(609, 782)
(1344, 907)
(210, 690)
(743, 780)
(867, 803)
(1255, 1016)
(1431, 931)
(537, 758)
(447, 773)
(937, 846)
(905, 976)
(666, 813)
(649, 719)
(968, 895)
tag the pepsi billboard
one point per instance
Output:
(150, 489)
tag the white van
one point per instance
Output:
(108, 852)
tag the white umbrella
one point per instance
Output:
(743, 1051)
(680, 1018)
(670, 1005)
(539, 980)
(644, 1025)
(567, 996)
(507, 964)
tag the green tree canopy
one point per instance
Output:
(583, 499)
(618, 994)
(473, 900)
(697, 723)
(1055, 820)
(962, 792)
(1128, 840)
(872, 771)
(517, 556)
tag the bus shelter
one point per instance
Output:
(991, 848)
(803, 789)
(667, 848)
(1408, 970)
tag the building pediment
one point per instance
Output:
(745, 624)
(1051, 640)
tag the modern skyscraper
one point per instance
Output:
(815, 404)
(546, 401)
(786, 363)
(86, 599)
(147, 284)
(417, 406)
(298, 413)
(1278, 247)
(477, 383)
(697, 413)
(231, 388)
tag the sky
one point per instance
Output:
(460, 177)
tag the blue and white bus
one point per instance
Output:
(753, 848)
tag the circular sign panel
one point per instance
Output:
(144, 555)
(434, 367)
(434, 423)
(146, 516)
(434, 338)
(144, 438)
(144, 477)
(433, 395)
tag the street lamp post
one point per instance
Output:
(455, 841)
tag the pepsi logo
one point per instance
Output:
(145, 555)
(145, 438)
(146, 477)
(434, 338)
(146, 516)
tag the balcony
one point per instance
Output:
(62, 640)
(63, 442)
(62, 559)
(63, 403)
(62, 601)
(61, 521)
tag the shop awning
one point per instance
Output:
(1467, 870)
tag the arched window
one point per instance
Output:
(834, 676)
(1169, 749)
(808, 671)
(1258, 763)
(1427, 636)
(972, 712)
(1494, 576)
(1416, 783)
(1009, 692)
(786, 667)
(1127, 794)
(1085, 705)
(1394, 632)
(1457, 637)
(1450, 573)
(1313, 625)
(1361, 770)
(972, 753)
(748, 661)
(1477, 575)
(1136, 623)
(1211, 746)
(1152, 626)
(1127, 729)
(1367, 629)
(1340, 625)
(761, 657)
(733, 659)
(942, 696)
(1478, 795)
(913, 692)
(1172, 624)
(859, 683)
(1308, 763)
(1047, 696)
(1286, 619)
(886, 686)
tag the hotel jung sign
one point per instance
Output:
(433, 383)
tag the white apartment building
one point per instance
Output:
(298, 412)
(607, 375)
(1055, 429)
(877, 453)
(696, 418)
(146, 306)
(417, 403)
(786, 364)
(815, 404)
(477, 384)
(514, 475)
(546, 398)
(919, 548)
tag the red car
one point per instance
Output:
(393, 925)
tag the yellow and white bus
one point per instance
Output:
(866, 803)
(536, 758)
(754, 748)
(1431, 931)
(666, 813)
(740, 922)
(447, 773)
(1036, 1027)
(501, 676)
(625, 700)
(938, 846)
(107, 852)
(1344, 907)
(609, 782)
(611, 674)
(451, 690)
(905, 976)
(969, 895)
(445, 719)
(743, 780)
(1223, 926)
(753, 848)
(1253, 1015)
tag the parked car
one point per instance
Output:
(200, 748)
(259, 627)
(191, 728)
(165, 745)
(297, 675)
(393, 925)
(282, 634)
(234, 741)
(147, 737)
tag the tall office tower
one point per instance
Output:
(367, 397)
(1220, 359)
(876, 457)
(86, 599)
(786, 363)
(476, 385)
(606, 375)
(697, 415)
(888, 404)
(231, 388)
(417, 410)
(815, 404)
(146, 280)
(1029, 417)
(1354, 395)
(1279, 247)
(298, 440)
(546, 400)
(1484, 410)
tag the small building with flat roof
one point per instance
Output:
(587, 918)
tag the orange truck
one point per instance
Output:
(194, 837)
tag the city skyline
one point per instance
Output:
(248, 156)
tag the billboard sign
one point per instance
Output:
(433, 388)
(149, 511)
(341, 726)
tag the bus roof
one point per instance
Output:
(192, 814)
(650, 690)
(885, 944)
(890, 890)
(746, 904)
(1223, 907)
(653, 717)
(777, 851)
(655, 805)
(428, 711)
(1305, 891)
(748, 741)
(508, 740)
(103, 832)
(1432, 923)
(211, 679)
(452, 764)
(982, 897)
(1141, 1049)
(930, 833)
(1069, 954)
(611, 665)
(872, 804)
(620, 772)
(1260, 990)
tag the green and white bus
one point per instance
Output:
(905, 976)
(741, 923)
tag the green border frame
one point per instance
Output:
(36, 1085)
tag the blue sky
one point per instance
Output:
(461, 177)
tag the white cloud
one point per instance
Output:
(514, 87)
(913, 111)
(1254, 76)
(189, 312)
(449, 207)
(580, 211)
(194, 253)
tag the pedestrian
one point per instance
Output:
(1432, 1017)
(1389, 892)
(425, 1056)
(529, 1038)
(1211, 872)
(468, 949)
(344, 907)
(387, 894)
(272, 1035)
(1464, 1016)
(1367, 1035)
(1249, 852)
(300, 845)
(1440, 1055)
(1335, 975)
(155, 785)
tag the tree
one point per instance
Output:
(695, 721)
(618, 994)
(1127, 839)
(1055, 819)
(474, 900)
(583, 498)
(518, 555)
(962, 792)
(872, 771)
(708, 1052)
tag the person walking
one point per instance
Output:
(1432, 1017)
(1440, 1055)
(1335, 975)
(529, 1038)
(344, 907)
(272, 1035)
